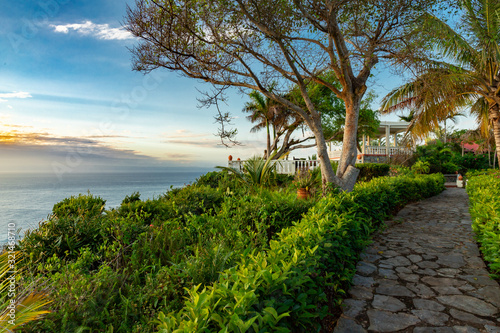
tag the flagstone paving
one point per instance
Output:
(424, 274)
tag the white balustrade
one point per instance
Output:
(288, 167)
(376, 150)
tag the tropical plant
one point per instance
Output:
(421, 167)
(256, 171)
(471, 78)
(26, 307)
(305, 179)
(262, 113)
(268, 113)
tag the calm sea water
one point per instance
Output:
(27, 199)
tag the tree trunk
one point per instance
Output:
(346, 172)
(268, 152)
(327, 174)
(494, 116)
(496, 133)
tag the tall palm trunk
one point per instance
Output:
(494, 116)
(268, 151)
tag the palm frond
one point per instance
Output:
(27, 308)
(449, 43)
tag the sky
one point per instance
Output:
(70, 101)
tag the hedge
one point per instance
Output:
(484, 195)
(294, 283)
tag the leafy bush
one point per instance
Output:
(470, 162)
(219, 179)
(305, 271)
(484, 195)
(436, 154)
(368, 171)
(399, 170)
(176, 203)
(75, 222)
(449, 168)
(136, 196)
(128, 264)
(444, 158)
(421, 167)
(84, 206)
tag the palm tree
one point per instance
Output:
(268, 114)
(470, 78)
(262, 113)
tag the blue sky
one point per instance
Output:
(69, 100)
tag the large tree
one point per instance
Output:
(468, 74)
(254, 44)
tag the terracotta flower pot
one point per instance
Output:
(303, 193)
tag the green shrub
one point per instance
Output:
(484, 196)
(368, 171)
(449, 168)
(136, 196)
(421, 167)
(147, 254)
(211, 179)
(176, 203)
(305, 271)
(83, 206)
(76, 222)
(470, 162)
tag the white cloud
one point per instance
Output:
(9, 106)
(15, 94)
(88, 28)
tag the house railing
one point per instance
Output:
(288, 167)
(374, 150)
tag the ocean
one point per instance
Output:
(27, 199)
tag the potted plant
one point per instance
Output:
(304, 181)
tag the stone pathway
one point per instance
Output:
(423, 274)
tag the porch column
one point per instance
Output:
(364, 144)
(395, 140)
(387, 141)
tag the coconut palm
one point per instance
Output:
(262, 113)
(268, 114)
(468, 77)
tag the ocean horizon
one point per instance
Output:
(26, 199)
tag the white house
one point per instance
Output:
(388, 130)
